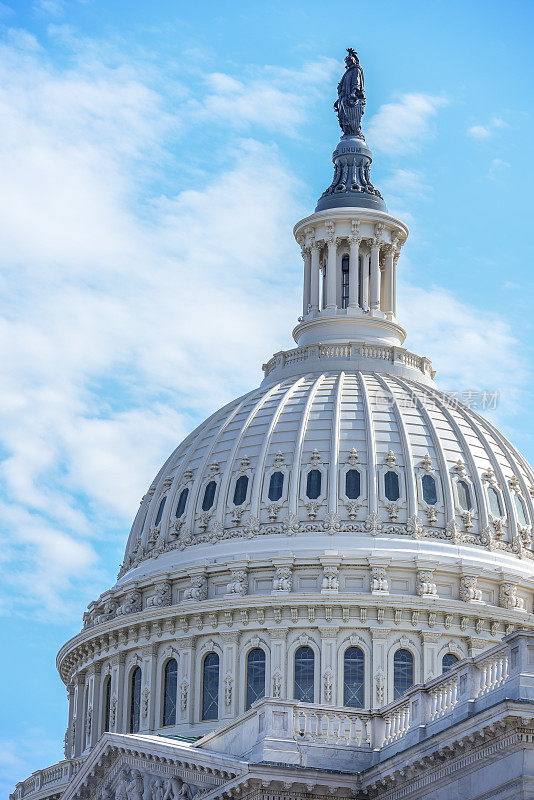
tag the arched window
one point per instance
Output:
(353, 677)
(448, 661)
(520, 509)
(464, 495)
(182, 500)
(135, 700)
(240, 491)
(313, 484)
(352, 484)
(160, 511)
(304, 669)
(391, 485)
(344, 282)
(170, 678)
(402, 672)
(210, 686)
(209, 496)
(276, 486)
(494, 502)
(430, 495)
(107, 703)
(255, 676)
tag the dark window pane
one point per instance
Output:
(209, 496)
(210, 687)
(352, 484)
(313, 484)
(255, 676)
(494, 502)
(107, 703)
(169, 692)
(402, 672)
(520, 508)
(160, 511)
(391, 485)
(429, 490)
(304, 668)
(240, 491)
(448, 661)
(464, 495)
(135, 700)
(182, 500)
(276, 486)
(353, 677)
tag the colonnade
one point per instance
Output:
(371, 275)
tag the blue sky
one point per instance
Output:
(154, 158)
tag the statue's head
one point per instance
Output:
(351, 59)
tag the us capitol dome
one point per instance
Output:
(326, 543)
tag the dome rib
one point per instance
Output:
(405, 445)
(295, 470)
(466, 449)
(334, 447)
(222, 503)
(448, 504)
(191, 512)
(511, 454)
(371, 445)
(494, 461)
(262, 458)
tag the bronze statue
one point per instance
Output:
(350, 101)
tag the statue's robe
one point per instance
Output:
(350, 110)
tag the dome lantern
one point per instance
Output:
(350, 245)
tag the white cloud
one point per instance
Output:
(122, 323)
(277, 99)
(498, 169)
(469, 348)
(487, 130)
(401, 126)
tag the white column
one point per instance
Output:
(379, 682)
(394, 283)
(186, 680)
(331, 275)
(69, 741)
(430, 667)
(306, 296)
(353, 272)
(117, 722)
(95, 681)
(148, 689)
(374, 299)
(78, 720)
(388, 277)
(279, 672)
(314, 278)
(228, 703)
(365, 282)
(328, 690)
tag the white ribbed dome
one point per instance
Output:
(335, 421)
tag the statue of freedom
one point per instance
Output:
(350, 101)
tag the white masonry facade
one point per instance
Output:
(328, 588)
